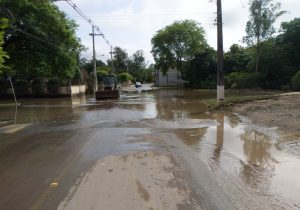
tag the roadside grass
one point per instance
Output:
(231, 100)
(241, 96)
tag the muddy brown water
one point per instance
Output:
(232, 148)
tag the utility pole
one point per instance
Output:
(111, 58)
(220, 66)
(94, 60)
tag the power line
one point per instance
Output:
(8, 14)
(16, 18)
(12, 16)
(87, 19)
(149, 15)
(94, 28)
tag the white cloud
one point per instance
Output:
(131, 24)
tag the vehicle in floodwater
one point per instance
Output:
(110, 88)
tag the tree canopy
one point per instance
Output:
(177, 43)
(40, 40)
(3, 54)
(236, 59)
(289, 39)
(137, 66)
(120, 59)
(260, 27)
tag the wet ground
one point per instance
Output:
(53, 151)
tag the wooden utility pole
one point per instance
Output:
(220, 74)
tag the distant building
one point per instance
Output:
(171, 78)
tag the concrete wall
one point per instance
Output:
(78, 89)
(61, 91)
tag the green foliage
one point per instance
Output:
(120, 60)
(177, 43)
(88, 65)
(263, 14)
(148, 75)
(290, 44)
(124, 77)
(3, 54)
(137, 66)
(37, 87)
(101, 74)
(22, 87)
(260, 27)
(41, 41)
(242, 80)
(53, 85)
(236, 59)
(296, 81)
(201, 71)
(273, 72)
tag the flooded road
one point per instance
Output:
(144, 151)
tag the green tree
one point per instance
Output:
(236, 59)
(124, 77)
(120, 59)
(296, 81)
(137, 66)
(177, 43)
(88, 65)
(260, 27)
(201, 71)
(289, 41)
(41, 41)
(3, 54)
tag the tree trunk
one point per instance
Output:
(257, 56)
(180, 67)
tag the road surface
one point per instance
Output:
(145, 151)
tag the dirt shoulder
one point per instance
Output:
(282, 112)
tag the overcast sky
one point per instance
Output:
(130, 24)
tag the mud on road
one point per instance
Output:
(282, 112)
(150, 151)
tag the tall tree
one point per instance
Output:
(120, 59)
(137, 65)
(289, 39)
(260, 27)
(236, 59)
(177, 43)
(201, 71)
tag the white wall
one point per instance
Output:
(168, 80)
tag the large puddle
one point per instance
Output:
(229, 144)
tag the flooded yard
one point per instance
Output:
(214, 159)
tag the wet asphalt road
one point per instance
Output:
(47, 144)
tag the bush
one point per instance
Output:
(4, 85)
(124, 77)
(209, 84)
(37, 87)
(242, 80)
(53, 85)
(101, 74)
(296, 81)
(22, 87)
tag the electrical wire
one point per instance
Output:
(86, 18)
(10, 15)
(16, 18)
